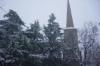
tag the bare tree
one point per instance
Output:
(88, 39)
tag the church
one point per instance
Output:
(71, 50)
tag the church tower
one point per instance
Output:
(70, 37)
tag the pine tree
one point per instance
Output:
(52, 32)
(35, 36)
(14, 42)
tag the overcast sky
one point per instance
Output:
(29, 10)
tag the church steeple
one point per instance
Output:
(70, 37)
(69, 16)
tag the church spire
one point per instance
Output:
(69, 16)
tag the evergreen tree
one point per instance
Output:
(35, 36)
(52, 32)
(14, 22)
(10, 26)
(14, 42)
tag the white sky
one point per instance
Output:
(82, 10)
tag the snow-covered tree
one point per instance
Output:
(13, 41)
(35, 36)
(53, 33)
(88, 39)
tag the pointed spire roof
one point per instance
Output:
(69, 16)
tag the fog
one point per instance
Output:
(83, 11)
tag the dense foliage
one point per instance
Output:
(20, 47)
